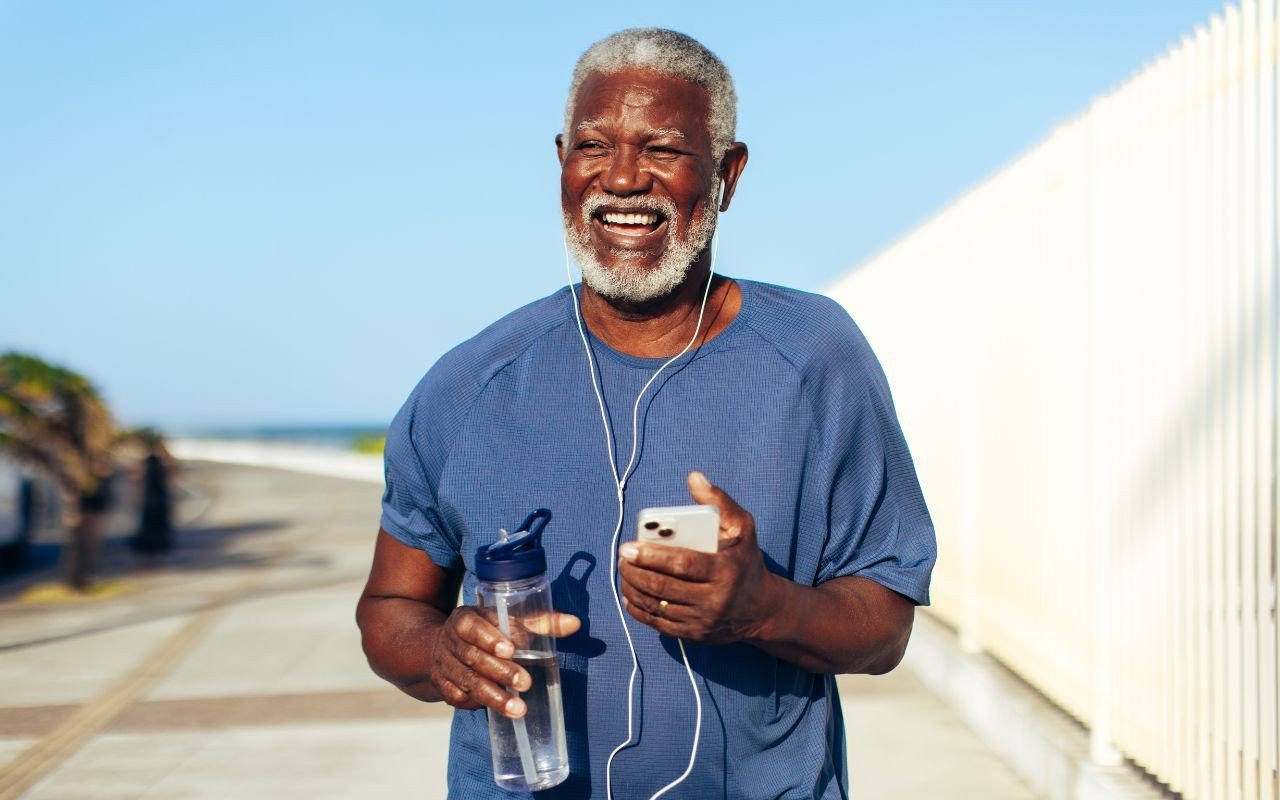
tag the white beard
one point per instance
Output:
(635, 285)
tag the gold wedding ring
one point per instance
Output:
(662, 607)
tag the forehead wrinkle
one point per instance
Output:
(638, 97)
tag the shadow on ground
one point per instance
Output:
(129, 589)
(196, 549)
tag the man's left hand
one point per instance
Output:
(715, 598)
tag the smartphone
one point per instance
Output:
(694, 527)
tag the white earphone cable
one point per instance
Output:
(620, 483)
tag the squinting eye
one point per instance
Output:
(663, 154)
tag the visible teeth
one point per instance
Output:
(616, 218)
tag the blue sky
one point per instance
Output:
(236, 213)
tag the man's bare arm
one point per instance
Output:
(401, 611)
(846, 625)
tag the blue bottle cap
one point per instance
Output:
(517, 557)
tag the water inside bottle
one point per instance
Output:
(544, 722)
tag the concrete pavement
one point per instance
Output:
(235, 671)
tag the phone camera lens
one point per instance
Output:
(651, 526)
(665, 532)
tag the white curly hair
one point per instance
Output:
(666, 52)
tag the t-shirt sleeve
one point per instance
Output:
(415, 454)
(878, 526)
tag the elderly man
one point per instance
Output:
(774, 410)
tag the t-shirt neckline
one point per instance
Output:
(602, 349)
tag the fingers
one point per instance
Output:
(655, 583)
(735, 522)
(668, 620)
(554, 624)
(468, 624)
(480, 695)
(472, 666)
(707, 493)
(678, 562)
(674, 610)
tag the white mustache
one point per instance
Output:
(639, 203)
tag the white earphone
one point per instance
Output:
(620, 483)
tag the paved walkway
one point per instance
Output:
(235, 672)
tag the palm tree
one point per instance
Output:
(55, 420)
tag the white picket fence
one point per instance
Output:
(1083, 350)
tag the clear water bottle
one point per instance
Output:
(528, 753)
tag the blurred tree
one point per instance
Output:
(55, 420)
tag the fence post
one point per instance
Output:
(1101, 749)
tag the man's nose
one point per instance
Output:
(624, 175)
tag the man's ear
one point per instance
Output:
(731, 167)
(560, 148)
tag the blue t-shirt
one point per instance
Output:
(786, 409)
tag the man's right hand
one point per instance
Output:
(471, 662)
(415, 637)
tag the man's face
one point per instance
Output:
(637, 180)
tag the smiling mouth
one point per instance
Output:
(630, 223)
